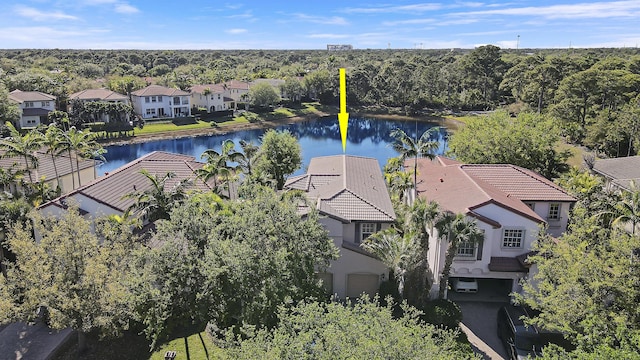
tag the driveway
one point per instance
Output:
(480, 324)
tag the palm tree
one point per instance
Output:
(75, 143)
(419, 222)
(95, 151)
(9, 178)
(53, 139)
(250, 151)
(408, 147)
(455, 229)
(23, 146)
(399, 253)
(218, 163)
(628, 209)
(157, 202)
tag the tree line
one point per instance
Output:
(592, 93)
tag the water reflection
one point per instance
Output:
(366, 137)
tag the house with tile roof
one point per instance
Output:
(95, 95)
(619, 172)
(157, 101)
(510, 205)
(211, 97)
(237, 91)
(351, 195)
(67, 176)
(105, 195)
(34, 107)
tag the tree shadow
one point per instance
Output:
(206, 351)
(186, 348)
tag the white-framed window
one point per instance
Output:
(554, 212)
(29, 121)
(512, 238)
(151, 111)
(466, 249)
(147, 99)
(44, 103)
(153, 99)
(366, 230)
(218, 97)
(28, 104)
(159, 98)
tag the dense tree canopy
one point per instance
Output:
(528, 140)
(362, 330)
(279, 156)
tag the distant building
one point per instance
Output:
(34, 107)
(342, 47)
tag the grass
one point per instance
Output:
(576, 158)
(196, 347)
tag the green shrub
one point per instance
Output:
(443, 312)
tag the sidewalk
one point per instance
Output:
(20, 341)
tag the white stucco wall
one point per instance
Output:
(165, 102)
(207, 101)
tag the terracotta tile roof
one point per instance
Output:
(45, 165)
(457, 191)
(506, 264)
(199, 89)
(98, 95)
(111, 188)
(22, 96)
(619, 170)
(155, 90)
(235, 84)
(346, 187)
(518, 182)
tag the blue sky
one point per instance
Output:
(312, 24)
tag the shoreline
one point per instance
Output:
(268, 124)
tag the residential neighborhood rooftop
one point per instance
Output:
(214, 88)
(620, 171)
(346, 187)
(97, 94)
(111, 188)
(22, 96)
(155, 90)
(45, 164)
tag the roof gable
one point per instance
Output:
(98, 95)
(347, 187)
(155, 90)
(22, 96)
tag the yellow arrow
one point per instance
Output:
(343, 116)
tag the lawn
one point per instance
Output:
(196, 347)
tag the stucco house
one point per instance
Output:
(350, 194)
(237, 92)
(103, 95)
(510, 205)
(67, 176)
(105, 195)
(34, 107)
(211, 97)
(157, 101)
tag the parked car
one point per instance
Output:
(465, 285)
(525, 341)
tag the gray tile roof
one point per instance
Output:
(346, 187)
(22, 96)
(620, 171)
(45, 164)
(110, 189)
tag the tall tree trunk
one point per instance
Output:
(55, 169)
(73, 178)
(26, 164)
(446, 270)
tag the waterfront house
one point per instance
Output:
(210, 96)
(157, 101)
(350, 194)
(99, 95)
(34, 107)
(510, 205)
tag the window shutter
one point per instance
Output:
(479, 251)
(357, 238)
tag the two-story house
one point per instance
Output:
(34, 107)
(101, 95)
(510, 205)
(237, 92)
(210, 96)
(157, 101)
(350, 194)
(618, 173)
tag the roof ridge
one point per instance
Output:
(475, 182)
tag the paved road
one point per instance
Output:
(480, 325)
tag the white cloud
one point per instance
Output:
(414, 8)
(408, 22)
(333, 20)
(124, 8)
(38, 15)
(570, 11)
(236, 31)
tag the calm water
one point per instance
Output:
(365, 137)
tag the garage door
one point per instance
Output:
(362, 283)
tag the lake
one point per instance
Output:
(365, 137)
